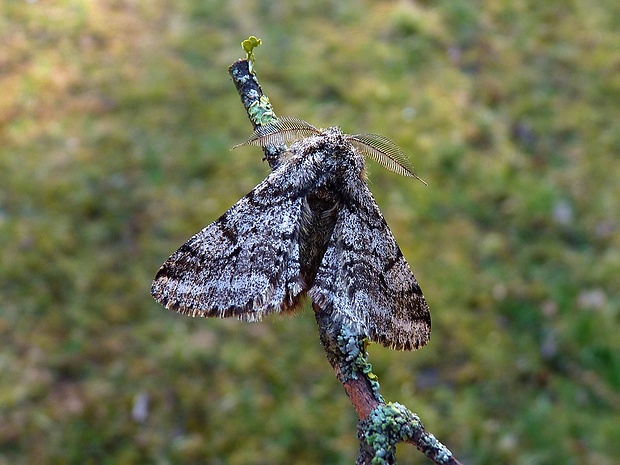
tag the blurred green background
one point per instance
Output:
(116, 119)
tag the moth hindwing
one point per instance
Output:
(312, 227)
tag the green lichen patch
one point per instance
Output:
(353, 346)
(387, 425)
(261, 112)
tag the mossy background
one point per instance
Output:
(116, 119)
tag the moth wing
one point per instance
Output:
(365, 280)
(245, 264)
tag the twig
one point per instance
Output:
(381, 424)
(256, 105)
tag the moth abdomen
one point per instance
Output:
(317, 221)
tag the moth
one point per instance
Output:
(311, 228)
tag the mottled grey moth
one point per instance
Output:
(312, 227)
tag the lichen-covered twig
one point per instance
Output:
(256, 105)
(381, 425)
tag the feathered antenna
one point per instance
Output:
(385, 152)
(285, 129)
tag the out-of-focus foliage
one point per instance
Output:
(116, 118)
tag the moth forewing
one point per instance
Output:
(244, 264)
(365, 280)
